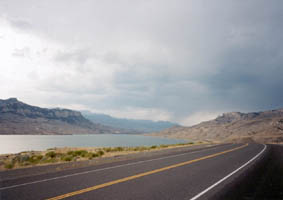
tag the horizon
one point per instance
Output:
(156, 121)
(183, 62)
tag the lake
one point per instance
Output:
(19, 143)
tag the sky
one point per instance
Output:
(184, 61)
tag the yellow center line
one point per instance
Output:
(141, 175)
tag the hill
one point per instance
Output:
(137, 126)
(263, 127)
(19, 118)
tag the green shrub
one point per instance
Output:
(70, 152)
(118, 149)
(100, 153)
(89, 155)
(95, 155)
(51, 154)
(48, 160)
(113, 149)
(153, 147)
(22, 158)
(92, 155)
(135, 148)
(141, 148)
(107, 149)
(34, 159)
(81, 153)
(9, 165)
(67, 158)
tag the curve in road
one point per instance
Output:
(187, 175)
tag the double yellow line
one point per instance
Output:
(141, 175)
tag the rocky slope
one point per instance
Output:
(264, 127)
(19, 118)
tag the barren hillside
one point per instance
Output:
(264, 127)
(19, 118)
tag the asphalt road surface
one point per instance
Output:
(190, 174)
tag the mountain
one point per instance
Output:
(19, 118)
(137, 126)
(263, 127)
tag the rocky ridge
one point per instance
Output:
(17, 117)
(263, 127)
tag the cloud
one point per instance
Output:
(198, 117)
(21, 52)
(183, 61)
(20, 24)
(76, 56)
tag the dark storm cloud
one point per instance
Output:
(181, 57)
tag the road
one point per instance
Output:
(190, 174)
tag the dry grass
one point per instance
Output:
(67, 154)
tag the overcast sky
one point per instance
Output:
(183, 61)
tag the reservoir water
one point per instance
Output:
(19, 143)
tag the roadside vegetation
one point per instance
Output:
(59, 155)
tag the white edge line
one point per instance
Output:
(226, 177)
(102, 169)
